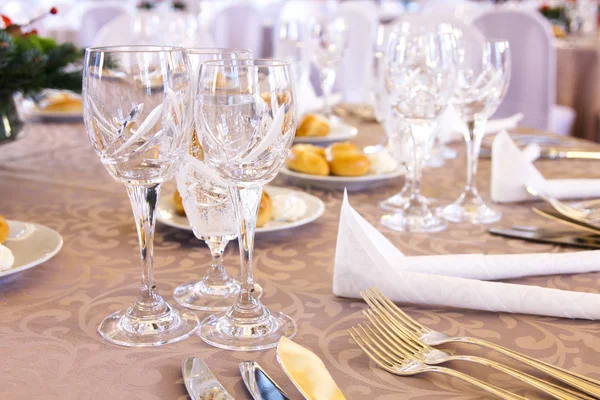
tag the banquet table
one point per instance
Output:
(577, 77)
(49, 315)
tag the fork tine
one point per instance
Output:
(370, 351)
(408, 345)
(394, 322)
(392, 356)
(396, 311)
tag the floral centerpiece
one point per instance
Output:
(29, 64)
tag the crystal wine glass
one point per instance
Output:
(421, 70)
(479, 91)
(209, 209)
(137, 112)
(247, 129)
(329, 38)
(291, 45)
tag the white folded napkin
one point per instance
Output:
(512, 169)
(452, 128)
(365, 258)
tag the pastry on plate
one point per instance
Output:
(313, 125)
(349, 163)
(61, 103)
(345, 159)
(308, 160)
(265, 210)
(3, 229)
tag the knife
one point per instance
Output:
(584, 241)
(200, 382)
(307, 371)
(555, 154)
(259, 383)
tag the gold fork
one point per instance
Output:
(377, 301)
(400, 363)
(428, 355)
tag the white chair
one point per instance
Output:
(94, 18)
(122, 31)
(239, 26)
(532, 89)
(302, 10)
(462, 9)
(362, 20)
(473, 39)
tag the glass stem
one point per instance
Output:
(327, 80)
(246, 201)
(143, 203)
(473, 146)
(417, 164)
(217, 274)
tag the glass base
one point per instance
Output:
(475, 213)
(202, 297)
(412, 223)
(226, 332)
(398, 201)
(126, 329)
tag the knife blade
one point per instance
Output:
(259, 383)
(583, 241)
(307, 371)
(200, 382)
(555, 154)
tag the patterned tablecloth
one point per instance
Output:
(49, 347)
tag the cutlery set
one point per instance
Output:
(402, 346)
(304, 368)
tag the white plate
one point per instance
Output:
(31, 244)
(315, 208)
(351, 183)
(340, 131)
(50, 116)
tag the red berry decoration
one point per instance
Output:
(53, 10)
(6, 21)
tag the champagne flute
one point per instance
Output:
(329, 38)
(137, 113)
(421, 70)
(209, 209)
(480, 89)
(247, 129)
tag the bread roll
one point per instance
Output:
(308, 161)
(264, 210)
(341, 146)
(178, 203)
(3, 229)
(313, 125)
(348, 163)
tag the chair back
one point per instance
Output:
(532, 88)
(239, 26)
(356, 69)
(94, 18)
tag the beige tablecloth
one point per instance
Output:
(49, 348)
(577, 83)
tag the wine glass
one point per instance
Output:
(209, 209)
(247, 128)
(480, 89)
(329, 38)
(137, 113)
(421, 70)
(290, 45)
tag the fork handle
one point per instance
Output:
(580, 382)
(549, 388)
(503, 394)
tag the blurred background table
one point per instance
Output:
(49, 315)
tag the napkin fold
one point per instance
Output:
(452, 128)
(512, 169)
(365, 258)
